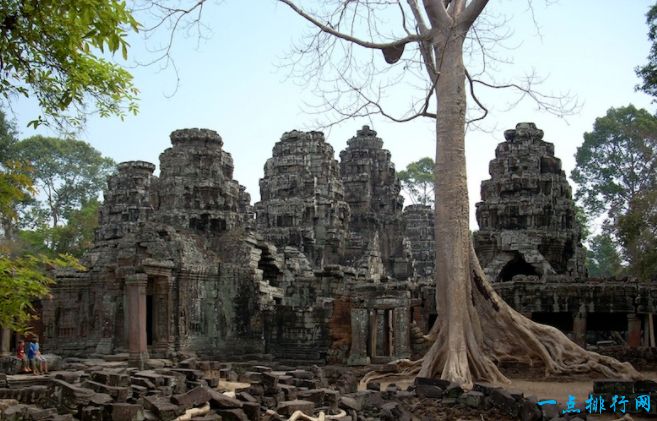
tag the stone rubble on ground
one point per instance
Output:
(97, 390)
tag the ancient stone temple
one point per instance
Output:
(302, 199)
(326, 267)
(372, 191)
(526, 216)
(172, 268)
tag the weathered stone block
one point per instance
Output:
(503, 400)
(472, 399)
(287, 408)
(232, 415)
(162, 407)
(194, 397)
(125, 412)
(221, 401)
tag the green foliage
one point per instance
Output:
(583, 221)
(617, 160)
(51, 50)
(603, 259)
(418, 181)
(638, 233)
(74, 238)
(16, 183)
(22, 281)
(648, 72)
(68, 173)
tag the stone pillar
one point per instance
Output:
(359, 336)
(135, 289)
(579, 329)
(402, 332)
(161, 315)
(373, 330)
(633, 331)
(5, 339)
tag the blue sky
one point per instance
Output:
(229, 82)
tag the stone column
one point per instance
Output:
(161, 315)
(579, 329)
(633, 331)
(135, 287)
(359, 336)
(402, 332)
(373, 330)
(5, 339)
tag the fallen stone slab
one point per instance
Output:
(88, 413)
(473, 399)
(301, 374)
(190, 374)
(111, 379)
(125, 412)
(26, 395)
(143, 382)
(287, 408)
(232, 415)
(120, 394)
(68, 376)
(69, 397)
(162, 407)
(221, 401)
(252, 410)
(347, 402)
(194, 397)
(503, 400)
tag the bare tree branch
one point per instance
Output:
(471, 12)
(437, 13)
(474, 97)
(367, 44)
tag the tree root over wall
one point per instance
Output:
(487, 331)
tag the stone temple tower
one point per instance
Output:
(372, 191)
(526, 218)
(302, 199)
(196, 190)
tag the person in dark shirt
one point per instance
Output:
(31, 356)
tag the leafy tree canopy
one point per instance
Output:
(74, 238)
(23, 278)
(417, 181)
(617, 160)
(51, 50)
(638, 233)
(603, 259)
(68, 173)
(648, 72)
(22, 281)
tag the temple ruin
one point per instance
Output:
(327, 266)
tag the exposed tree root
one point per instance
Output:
(493, 332)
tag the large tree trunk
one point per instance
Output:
(452, 230)
(475, 328)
